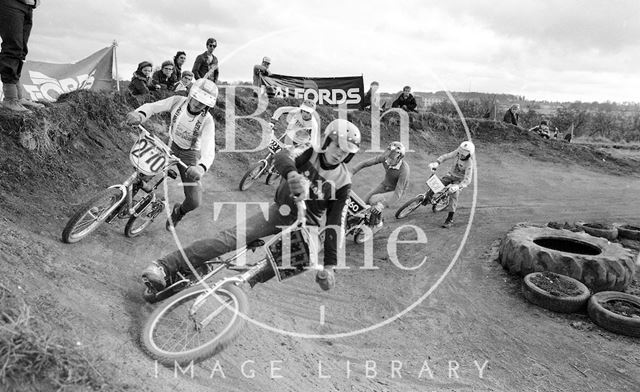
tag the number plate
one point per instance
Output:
(274, 146)
(146, 157)
(435, 184)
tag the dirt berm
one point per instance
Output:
(473, 333)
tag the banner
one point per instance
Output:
(46, 81)
(324, 91)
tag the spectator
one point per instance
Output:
(141, 80)
(163, 78)
(178, 62)
(206, 64)
(16, 20)
(512, 116)
(261, 69)
(543, 129)
(372, 97)
(405, 100)
(184, 85)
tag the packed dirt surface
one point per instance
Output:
(456, 322)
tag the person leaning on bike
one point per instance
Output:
(192, 133)
(396, 180)
(326, 166)
(459, 176)
(302, 126)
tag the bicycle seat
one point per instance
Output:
(253, 245)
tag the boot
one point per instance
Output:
(11, 101)
(27, 103)
(176, 216)
(449, 221)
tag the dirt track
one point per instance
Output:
(476, 314)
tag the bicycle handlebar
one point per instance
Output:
(163, 146)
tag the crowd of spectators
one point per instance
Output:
(170, 78)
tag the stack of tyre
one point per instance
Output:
(585, 263)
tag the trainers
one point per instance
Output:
(155, 277)
(447, 224)
(176, 216)
(326, 279)
(31, 104)
(15, 105)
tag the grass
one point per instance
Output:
(33, 357)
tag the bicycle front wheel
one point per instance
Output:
(252, 174)
(409, 207)
(90, 215)
(194, 324)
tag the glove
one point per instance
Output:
(433, 166)
(195, 172)
(297, 183)
(377, 208)
(134, 118)
(454, 188)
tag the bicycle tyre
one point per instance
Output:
(409, 207)
(272, 177)
(111, 195)
(130, 230)
(252, 174)
(208, 348)
(441, 203)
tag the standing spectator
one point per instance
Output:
(16, 20)
(141, 80)
(512, 116)
(207, 63)
(178, 62)
(405, 100)
(261, 69)
(184, 85)
(164, 78)
(371, 98)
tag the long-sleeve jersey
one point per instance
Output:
(328, 193)
(395, 177)
(462, 169)
(295, 123)
(187, 131)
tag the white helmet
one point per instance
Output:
(345, 133)
(308, 106)
(204, 91)
(467, 147)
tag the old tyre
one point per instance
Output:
(547, 300)
(610, 232)
(596, 262)
(613, 321)
(630, 232)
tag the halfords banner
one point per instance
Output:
(47, 81)
(324, 91)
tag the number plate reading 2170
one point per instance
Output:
(274, 146)
(147, 157)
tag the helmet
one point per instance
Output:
(345, 133)
(204, 91)
(544, 122)
(467, 147)
(266, 59)
(308, 106)
(395, 152)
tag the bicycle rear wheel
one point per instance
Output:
(409, 207)
(440, 202)
(195, 324)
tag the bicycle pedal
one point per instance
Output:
(172, 174)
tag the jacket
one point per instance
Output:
(409, 102)
(201, 66)
(329, 189)
(165, 82)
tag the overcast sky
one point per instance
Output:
(556, 50)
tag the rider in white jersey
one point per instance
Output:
(192, 133)
(302, 126)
